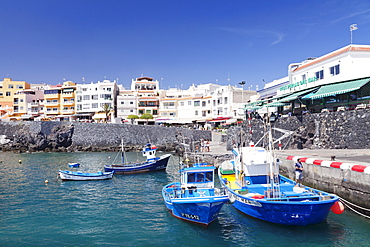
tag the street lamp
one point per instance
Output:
(242, 83)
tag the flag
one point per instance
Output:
(353, 27)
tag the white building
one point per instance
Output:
(92, 97)
(127, 104)
(337, 80)
(207, 103)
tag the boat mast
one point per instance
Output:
(272, 161)
(122, 152)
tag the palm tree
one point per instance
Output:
(106, 109)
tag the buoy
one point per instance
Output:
(154, 147)
(46, 181)
(337, 207)
(19, 161)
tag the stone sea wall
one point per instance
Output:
(332, 130)
(67, 136)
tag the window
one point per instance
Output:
(189, 102)
(320, 75)
(19, 86)
(106, 96)
(10, 86)
(196, 113)
(334, 70)
(122, 102)
(94, 97)
(197, 103)
(7, 94)
(131, 102)
(94, 105)
(181, 103)
(86, 97)
(303, 77)
(204, 103)
(225, 100)
(1, 94)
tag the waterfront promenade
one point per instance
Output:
(355, 156)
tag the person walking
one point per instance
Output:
(298, 172)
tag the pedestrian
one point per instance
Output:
(207, 146)
(298, 172)
(202, 144)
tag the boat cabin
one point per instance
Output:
(254, 163)
(149, 151)
(198, 176)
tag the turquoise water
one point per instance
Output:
(129, 211)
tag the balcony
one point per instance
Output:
(51, 103)
(71, 102)
(68, 111)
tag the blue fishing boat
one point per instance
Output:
(74, 165)
(257, 189)
(195, 198)
(84, 176)
(152, 162)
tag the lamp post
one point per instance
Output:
(242, 83)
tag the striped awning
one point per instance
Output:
(296, 95)
(339, 88)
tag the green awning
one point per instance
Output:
(295, 95)
(276, 104)
(339, 88)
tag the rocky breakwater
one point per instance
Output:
(68, 137)
(35, 136)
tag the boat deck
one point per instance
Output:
(231, 179)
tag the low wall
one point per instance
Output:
(67, 136)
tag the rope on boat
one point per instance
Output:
(345, 202)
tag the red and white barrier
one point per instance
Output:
(334, 164)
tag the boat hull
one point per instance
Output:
(80, 176)
(286, 213)
(198, 210)
(147, 166)
(310, 207)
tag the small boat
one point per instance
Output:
(84, 176)
(152, 162)
(195, 199)
(74, 165)
(257, 189)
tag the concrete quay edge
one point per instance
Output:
(352, 159)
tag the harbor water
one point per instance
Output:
(129, 211)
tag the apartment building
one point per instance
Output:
(8, 88)
(127, 103)
(92, 97)
(147, 92)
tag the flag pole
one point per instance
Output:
(351, 29)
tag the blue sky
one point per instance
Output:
(178, 42)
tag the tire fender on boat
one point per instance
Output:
(231, 198)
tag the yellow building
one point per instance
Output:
(59, 101)
(8, 89)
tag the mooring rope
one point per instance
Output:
(345, 202)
